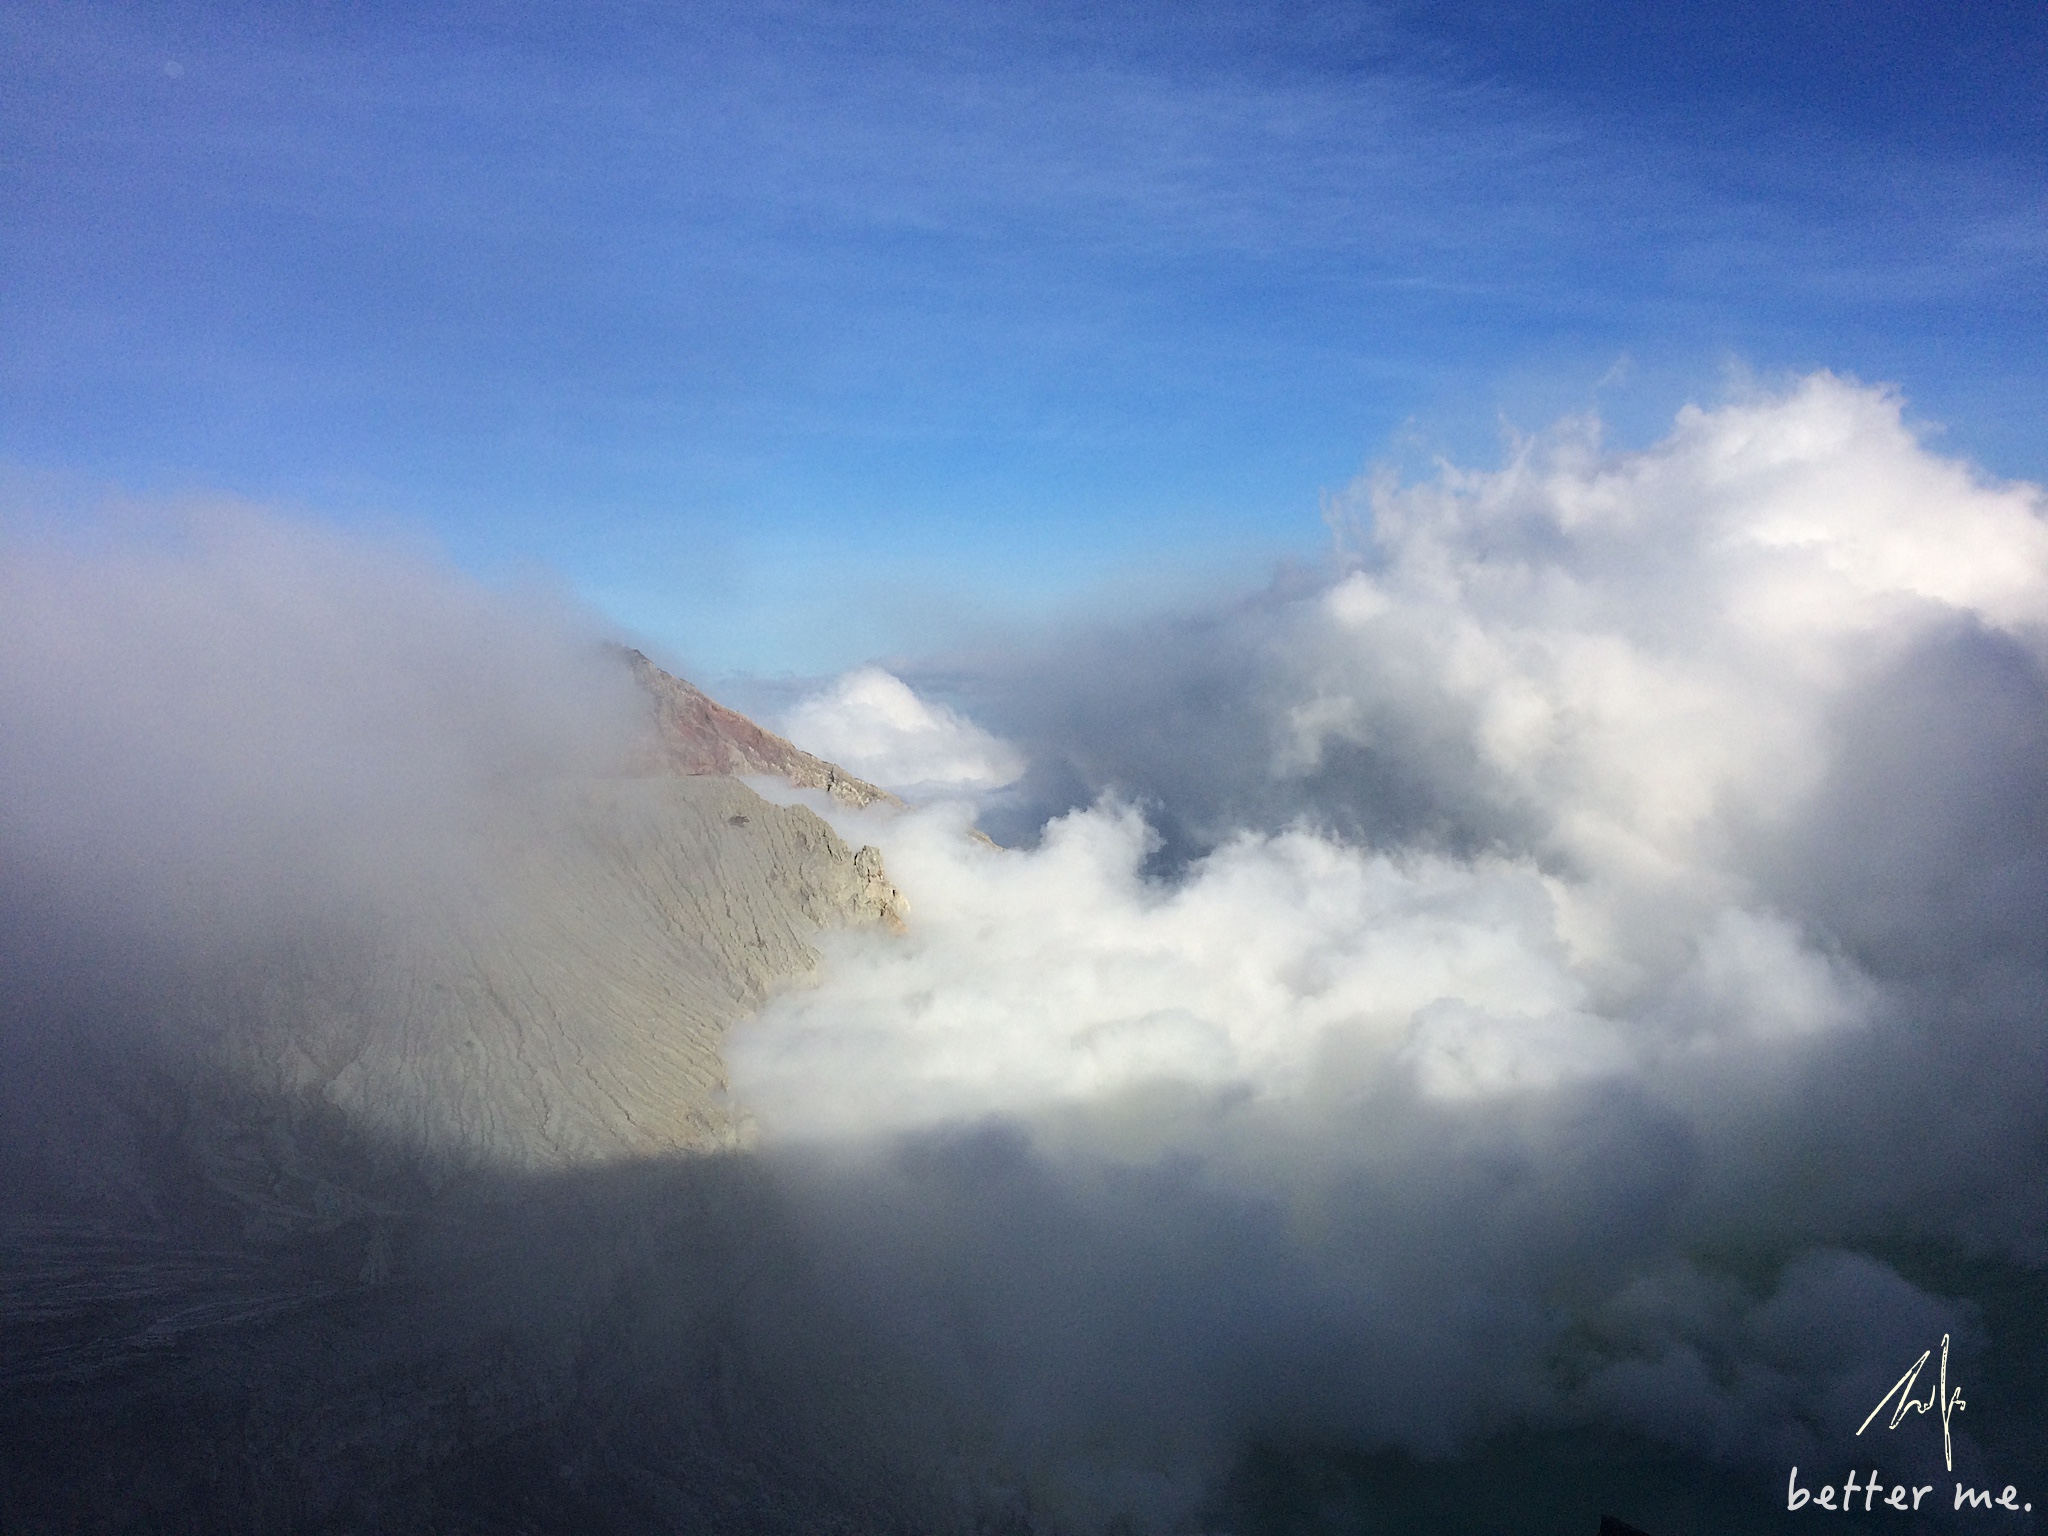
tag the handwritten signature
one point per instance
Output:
(1938, 1396)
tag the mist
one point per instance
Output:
(1537, 1013)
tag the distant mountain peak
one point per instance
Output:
(696, 735)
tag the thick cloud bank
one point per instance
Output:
(1625, 862)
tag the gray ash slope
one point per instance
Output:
(568, 1005)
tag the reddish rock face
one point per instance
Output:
(695, 734)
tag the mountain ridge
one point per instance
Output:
(695, 735)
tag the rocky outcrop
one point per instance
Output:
(694, 734)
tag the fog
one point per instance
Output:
(271, 714)
(1538, 1013)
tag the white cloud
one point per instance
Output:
(1036, 978)
(872, 723)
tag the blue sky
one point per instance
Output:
(792, 335)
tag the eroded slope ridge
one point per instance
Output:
(695, 734)
(564, 1001)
